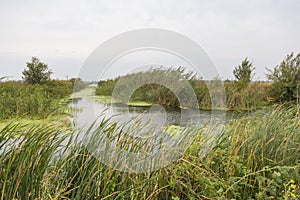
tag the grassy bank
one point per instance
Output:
(254, 158)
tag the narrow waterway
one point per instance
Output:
(87, 109)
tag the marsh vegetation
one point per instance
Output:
(255, 156)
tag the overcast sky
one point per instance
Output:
(63, 33)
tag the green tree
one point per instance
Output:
(36, 72)
(244, 73)
(286, 78)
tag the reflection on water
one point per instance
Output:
(87, 111)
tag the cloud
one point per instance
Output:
(229, 30)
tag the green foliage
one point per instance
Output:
(286, 78)
(151, 92)
(105, 88)
(254, 95)
(36, 72)
(243, 73)
(19, 99)
(258, 155)
(254, 158)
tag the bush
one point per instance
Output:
(286, 78)
(19, 99)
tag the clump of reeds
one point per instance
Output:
(256, 95)
(19, 99)
(255, 157)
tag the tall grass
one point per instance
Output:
(256, 95)
(254, 158)
(20, 99)
(260, 155)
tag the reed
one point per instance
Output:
(255, 157)
(36, 101)
(256, 95)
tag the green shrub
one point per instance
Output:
(286, 78)
(19, 99)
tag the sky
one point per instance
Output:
(63, 34)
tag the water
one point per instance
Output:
(87, 110)
(162, 147)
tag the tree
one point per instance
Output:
(36, 72)
(286, 78)
(243, 72)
